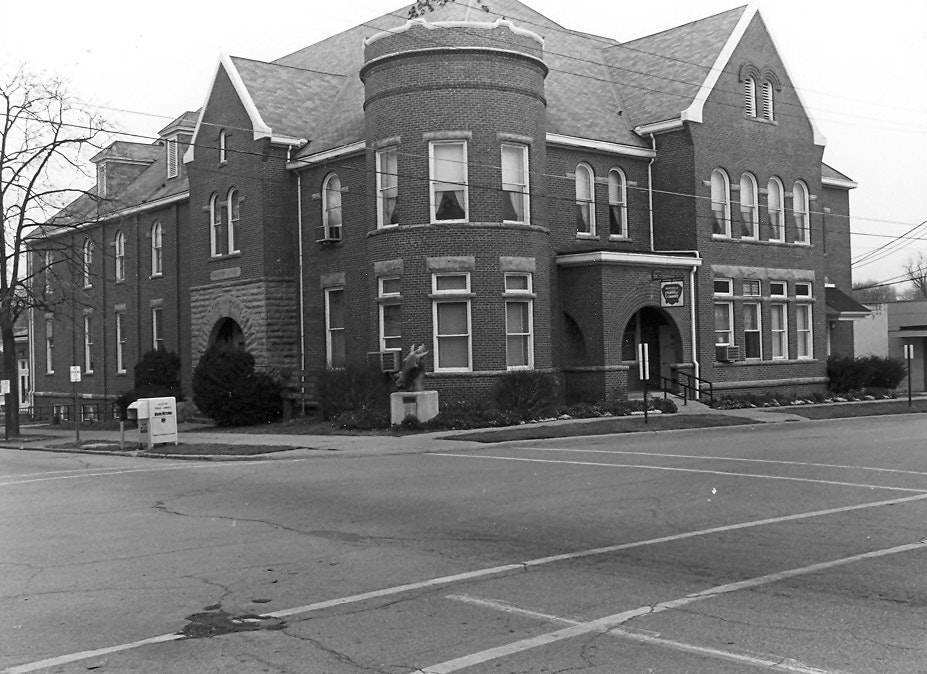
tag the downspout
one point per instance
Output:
(302, 290)
(653, 143)
(692, 320)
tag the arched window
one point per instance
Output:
(800, 212)
(585, 200)
(768, 113)
(331, 207)
(233, 211)
(720, 203)
(87, 266)
(775, 204)
(119, 244)
(617, 204)
(750, 96)
(156, 258)
(748, 206)
(215, 225)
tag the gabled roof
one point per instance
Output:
(841, 306)
(831, 177)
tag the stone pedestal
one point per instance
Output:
(423, 405)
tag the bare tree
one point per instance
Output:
(873, 292)
(916, 269)
(45, 141)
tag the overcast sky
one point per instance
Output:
(859, 66)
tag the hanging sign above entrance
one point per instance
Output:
(671, 294)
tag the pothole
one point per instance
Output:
(215, 622)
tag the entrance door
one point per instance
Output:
(653, 327)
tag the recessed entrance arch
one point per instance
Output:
(227, 334)
(653, 326)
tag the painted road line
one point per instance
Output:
(722, 458)
(608, 623)
(84, 655)
(528, 565)
(774, 663)
(174, 466)
(703, 471)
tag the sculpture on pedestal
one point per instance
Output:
(411, 375)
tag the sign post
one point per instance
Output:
(909, 356)
(643, 358)
(75, 380)
(5, 391)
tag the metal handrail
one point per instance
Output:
(692, 388)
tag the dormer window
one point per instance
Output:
(173, 159)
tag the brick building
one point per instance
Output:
(506, 191)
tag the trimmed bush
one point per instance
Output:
(353, 389)
(228, 390)
(157, 375)
(527, 394)
(856, 374)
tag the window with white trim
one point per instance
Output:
(157, 259)
(750, 97)
(515, 200)
(805, 346)
(157, 327)
(120, 342)
(334, 328)
(49, 346)
(775, 206)
(448, 159)
(519, 321)
(724, 311)
(87, 266)
(803, 291)
(800, 212)
(88, 344)
(585, 200)
(617, 204)
(778, 289)
(451, 316)
(768, 101)
(234, 215)
(119, 246)
(173, 161)
(331, 207)
(779, 330)
(752, 288)
(753, 341)
(720, 203)
(390, 312)
(215, 226)
(387, 187)
(748, 207)
(223, 142)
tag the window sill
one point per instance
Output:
(451, 297)
(583, 235)
(225, 256)
(618, 237)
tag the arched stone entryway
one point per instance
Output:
(653, 326)
(226, 333)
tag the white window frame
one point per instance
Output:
(521, 296)
(758, 330)
(720, 204)
(233, 208)
(512, 188)
(88, 344)
(223, 147)
(173, 165)
(803, 291)
(750, 96)
(749, 208)
(157, 259)
(433, 181)
(800, 212)
(385, 185)
(727, 291)
(451, 296)
(119, 245)
(331, 331)
(157, 327)
(772, 288)
(617, 201)
(49, 346)
(389, 298)
(779, 337)
(215, 225)
(120, 342)
(750, 285)
(804, 349)
(775, 207)
(87, 263)
(330, 195)
(769, 99)
(585, 200)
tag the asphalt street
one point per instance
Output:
(798, 547)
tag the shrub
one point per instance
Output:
(355, 388)
(363, 419)
(228, 390)
(527, 394)
(666, 406)
(157, 375)
(855, 374)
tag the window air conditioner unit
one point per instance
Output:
(390, 360)
(727, 353)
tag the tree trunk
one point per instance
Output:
(11, 373)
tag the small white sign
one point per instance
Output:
(909, 351)
(4, 386)
(75, 374)
(643, 358)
